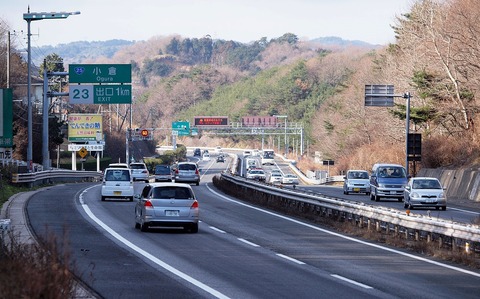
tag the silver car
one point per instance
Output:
(425, 192)
(167, 205)
(187, 172)
(356, 181)
(139, 172)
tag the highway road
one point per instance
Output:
(241, 251)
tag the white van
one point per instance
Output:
(117, 183)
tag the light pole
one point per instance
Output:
(29, 17)
(284, 116)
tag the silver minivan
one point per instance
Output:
(388, 181)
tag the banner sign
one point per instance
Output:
(84, 127)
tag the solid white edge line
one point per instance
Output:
(290, 259)
(218, 230)
(349, 238)
(352, 281)
(463, 211)
(248, 242)
(148, 255)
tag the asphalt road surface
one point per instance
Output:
(240, 251)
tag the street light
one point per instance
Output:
(29, 17)
(284, 116)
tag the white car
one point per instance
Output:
(275, 178)
(290, 179)
(139, 172)
(206, 157)
(356, 181)
(117, 183)
(256, 174)
(425, 192)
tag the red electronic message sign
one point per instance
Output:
(211, 121)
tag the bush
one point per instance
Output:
(34, 270)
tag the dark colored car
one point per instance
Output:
(197, 152)
(163, 173)
(220, 159)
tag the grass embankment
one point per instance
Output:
(33, 270)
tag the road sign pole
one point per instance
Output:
(407, 129)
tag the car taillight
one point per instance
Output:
(148, 204)
(176, 171)
(194, 205)
(196, 171)
(144, 171)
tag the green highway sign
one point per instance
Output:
(6, 113)
(100, 73)
(100, 94)
(182, 128)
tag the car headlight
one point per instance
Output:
(414, 195)
(441, 196)
(381, 185)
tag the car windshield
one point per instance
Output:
(357, 175)
(172, 192)
(392, 172)
(117, 175)
(426, 184)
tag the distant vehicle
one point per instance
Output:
(118, 165)
(220, 159)
(167, 205)
(218, 149)
(251, 163)
(163, 173)
(275, 178)
(206, 157)
(117, 183)
(255, 153)
(247, 153)
(187, 172)
(387, 180)
(197, 152)
(268, 157)
(256, 174)
(356, 181)
(139, 172)
(290, 179)
(425, 192)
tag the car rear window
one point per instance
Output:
(137, 166)
(117, 175)
(162, 170)
(172, 192)
(187, 167)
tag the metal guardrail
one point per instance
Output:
(55, 175)
(387, 217)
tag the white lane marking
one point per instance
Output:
(352, 281)
(248, 242)
(464, 211)
(218, 230)
(347, 237)
(290, 259)
(148, 255)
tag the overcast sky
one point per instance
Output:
(239, 20)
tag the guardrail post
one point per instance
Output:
(377, 226)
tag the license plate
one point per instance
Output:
(431, 200)
(117, 192)
(356, 189)
(172, 213)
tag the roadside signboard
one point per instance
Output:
(215, 121)
(379, 95)
(73, 147)
(84, 127)
(181, 127)
(6, 112)
(100, 73)
(100, 94)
